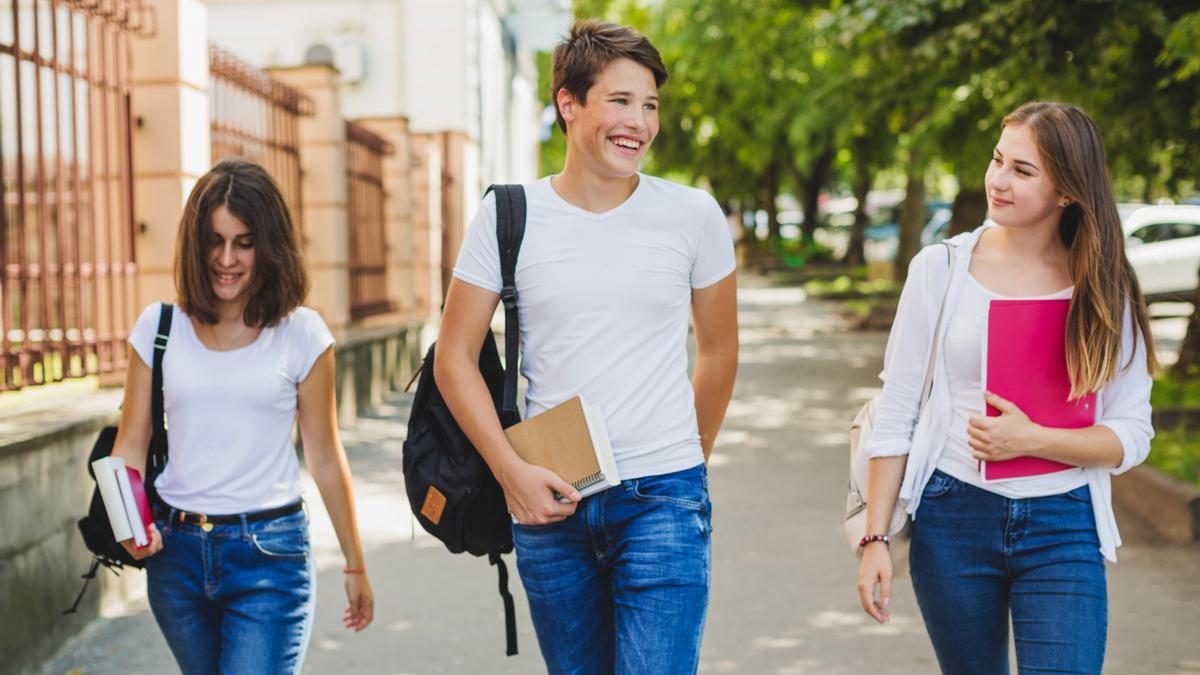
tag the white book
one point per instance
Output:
(106, 470)
(600, 443)
(130, 510)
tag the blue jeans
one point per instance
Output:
(976, 556)
(622, 585)
(237, 599)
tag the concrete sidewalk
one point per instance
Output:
(783, 596)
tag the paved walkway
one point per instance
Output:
(783, 581)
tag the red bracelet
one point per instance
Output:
(887, 541)
(356, 570)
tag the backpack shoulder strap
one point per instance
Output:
(927, 389)
(158, 439)
(510, 231)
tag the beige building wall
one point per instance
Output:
(171, 144)
(324, 189)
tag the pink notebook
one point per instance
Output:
(1025, 361)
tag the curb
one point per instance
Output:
(1167, 504)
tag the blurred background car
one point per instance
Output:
(1163, 246)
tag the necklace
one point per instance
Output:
(212, 328)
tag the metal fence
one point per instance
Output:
(368, 244)
(67, 261)
(256, 117)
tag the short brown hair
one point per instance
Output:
(278, 282)
(590, 47)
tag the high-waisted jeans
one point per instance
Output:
(236, 599)
(977, 556)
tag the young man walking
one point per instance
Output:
(612, 264)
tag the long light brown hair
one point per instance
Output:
(1105, 284)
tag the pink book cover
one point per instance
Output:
(1025, 361)
(139, 496)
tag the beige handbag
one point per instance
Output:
(899, 529)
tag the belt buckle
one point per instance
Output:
(202, 520)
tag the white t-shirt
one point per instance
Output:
(230, 414)
(964, 365)
(604, 301)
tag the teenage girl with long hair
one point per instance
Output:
(1031, 548)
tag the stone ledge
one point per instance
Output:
(1167, 504)
(25, 427)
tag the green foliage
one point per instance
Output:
(1171, 392)
(845, 287)
(1176, 452)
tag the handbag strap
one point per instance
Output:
(927, 390)
(157, 458)
(510, 231)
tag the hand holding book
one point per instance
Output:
(997, 439)
(530, 491)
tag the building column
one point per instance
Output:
(171, 150)
(398, 218)
(426, 181)
(325, 200)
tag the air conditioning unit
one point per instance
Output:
(345, 52)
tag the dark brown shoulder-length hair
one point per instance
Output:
(590, 47)
(278, 282)
(1105, 284)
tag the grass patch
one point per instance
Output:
(848, 288)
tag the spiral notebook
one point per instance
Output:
(570, 440)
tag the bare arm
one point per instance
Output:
(326, 460)
(134, 430)
(883, 487)
(528, 489)
(714, 316)
(133, 436)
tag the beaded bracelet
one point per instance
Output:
(887, 541)
(354, 570)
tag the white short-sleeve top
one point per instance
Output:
(230, 414)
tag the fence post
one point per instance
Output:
(171, 137)
(426, 157)
(398, 217)
(324, 199)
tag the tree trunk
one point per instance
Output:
(819, 173)
(863, 177)
(968, 211)
(770, 190)
(1188, 365)
(912, 215)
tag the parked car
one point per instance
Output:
(1163, 245)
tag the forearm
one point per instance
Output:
(1094, 446)
(883, 487)
(332, 476)
(712, 385)
(467, 396)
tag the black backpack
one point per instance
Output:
(450, 488)
(95, 528)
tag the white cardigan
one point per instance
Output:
(1123, 404)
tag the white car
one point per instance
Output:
(1163, 245)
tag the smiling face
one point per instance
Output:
(230, 256)
(615, 128)
(1020, 190)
